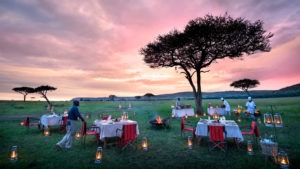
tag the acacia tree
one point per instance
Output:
(149, 95)
(112, 97)
(42, 90)
(203, 42)
(24, 91)
(245, 84)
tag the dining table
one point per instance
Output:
(108, 128)
(182, 112)
(216, 110)
(52, 119)
(231, 127)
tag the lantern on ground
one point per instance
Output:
(129, 106)
(277, 120)
(268, 119)
(189, 142)
(145, 144)
(46, 132)
(22, 123)
(134, 113)
(196, 115)
(204, 114)
(14, 154)
(259, 121)
(98, 158)
(172, 107)
(283, 159)
(77, 135)
(120, 106)
(249, 147)
(239, 119)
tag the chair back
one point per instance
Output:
(26, 123)
(182, 123)
(105, 118)
(256, 132)
(216, 133)
(64, 120)
(83, 128)
(128, 133)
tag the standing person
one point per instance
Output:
(73, 115)
(178, 103)
(227, 107)
(250, 106)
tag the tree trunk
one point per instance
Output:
(24, 99)
(198, 97)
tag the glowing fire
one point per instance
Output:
(159, 120)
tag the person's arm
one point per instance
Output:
(82, 119)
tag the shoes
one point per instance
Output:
(58, 148)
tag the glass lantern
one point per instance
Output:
(14, 154)
(186, 116)
(283, 160)
(77, 135)
(278, 120)
(145, 144)
(268, 119)
(249, 147)
(120, 106)
(190, 142)
(215, 116)
(46, 132)
(98, 158)
(129, 106)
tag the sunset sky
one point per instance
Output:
(90, 48)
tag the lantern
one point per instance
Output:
(172, 106)
(22, 123)
(216, 116)
(134, 113)
(66, 111)
(268, 119)
(46, 132)
(14, 154)
(239, 119)
(120, 106)
(98, 158)
(145, 144)
(196, 115)
(249, 148)
(87, 116)
(125, 115)
(78, 135)
(186, 116)
(189, 142)
(258, 121)
(204, 114)
(277, 120)
(129, 106)
(283, 159)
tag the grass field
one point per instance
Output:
(167, 149)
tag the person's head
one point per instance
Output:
(76, 102)
(178, 98)
(222, 98)
(249, 99)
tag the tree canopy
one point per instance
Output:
(24, 91)
(245, 84)
(205, 41)
(42, 90)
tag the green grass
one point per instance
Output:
(167, 149)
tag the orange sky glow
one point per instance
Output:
(91, 48)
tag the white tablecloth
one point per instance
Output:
(219, 111)
(108, 127)
(183, 112)
(232, 129)
(51, 120)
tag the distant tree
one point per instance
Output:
(205, 41)
(112, 97)
(245, 84)
(137, 97)
(42, 90)
(24, 91)
(149, 95)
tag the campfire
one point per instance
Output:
(158, 122)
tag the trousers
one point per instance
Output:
(71, 128)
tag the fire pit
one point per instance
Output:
(158, 122)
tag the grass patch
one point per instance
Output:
(167, 149)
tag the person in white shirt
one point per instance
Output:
(227, 107)
(178, 103)
(250, 106)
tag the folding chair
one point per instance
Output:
(217, 135)
(92, 130)
(128, 135)
(64, 123)
(29, 122)
(253, 131)
(185, 126)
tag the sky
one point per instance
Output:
(91, 48)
